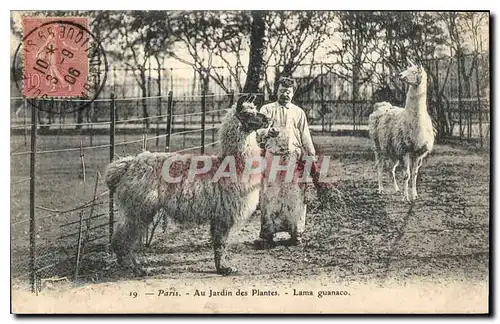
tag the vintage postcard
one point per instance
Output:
(319, 162)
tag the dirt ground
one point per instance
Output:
(440, 240)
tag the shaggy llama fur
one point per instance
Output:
(403, 135)
(141, 192)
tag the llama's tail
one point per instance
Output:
(116, 170)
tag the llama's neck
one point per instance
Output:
(236, 142)
(416, 99)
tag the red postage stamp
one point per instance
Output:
(56, 62)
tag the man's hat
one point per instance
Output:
(287, 82)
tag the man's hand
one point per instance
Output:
(273, 132)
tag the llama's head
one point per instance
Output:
(414, 75)
(237, 133)
(247, 114)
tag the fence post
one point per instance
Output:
(158, 123)
(353, 95)
(169, 121)
(440, 125)
(459, 97)
(171, 79)
(203, 112)
(478, 94)
(79, 247)
(184, 120)
(159, 108)
(92, 112)
(170, 111)
(322, 109)
(213, 119)
(25, 123)
(32, 199)
(111, 157)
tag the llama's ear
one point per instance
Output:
(240, 102)
(251, 98)
(411, 62)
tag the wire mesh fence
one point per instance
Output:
(62, 212)
(458, 97)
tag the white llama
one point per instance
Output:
(403, 135)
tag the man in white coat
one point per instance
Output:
(283, 207)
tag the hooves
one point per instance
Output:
(137, 270)
(140, 272)
(132, 264)
(290, 242)
(227, 270)
(295, 240)
(261, 244)
(407, 199)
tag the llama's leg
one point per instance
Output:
(266, 234)
(418, 164)
(268, 206)
(407, 175)
(125, 240)
(123, 243)
(299, 227)
(379, 163)
(414, 171)
(396, 187)
(220, 233)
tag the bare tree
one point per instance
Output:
(295, 37)
(418, 36)
(359, 34)
(210, 36)
(135, 38)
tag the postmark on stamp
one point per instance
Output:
(61, 59)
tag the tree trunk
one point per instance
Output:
(144, 95)
(258, 45)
